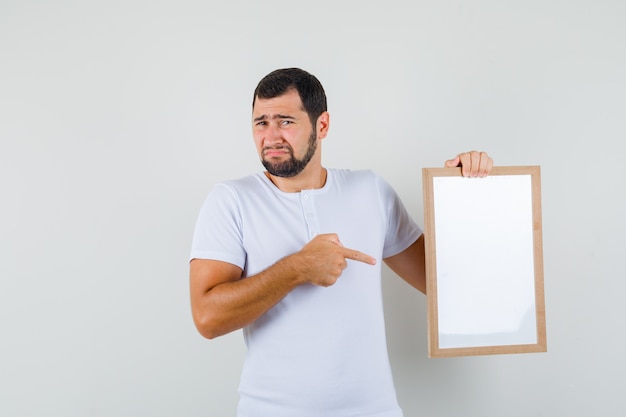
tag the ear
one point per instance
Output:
(322, 125)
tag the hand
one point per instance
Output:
(323, 259)
(473, 164)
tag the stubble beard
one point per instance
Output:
(292, 166)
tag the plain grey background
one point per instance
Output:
(116, 117)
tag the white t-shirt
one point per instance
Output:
(320, 352)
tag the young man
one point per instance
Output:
(292, 255)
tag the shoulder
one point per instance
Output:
(357, 178)
(238, 186)
(351, 176)
(229, 194)
(243, 183)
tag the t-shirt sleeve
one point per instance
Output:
(402, 231)
(217, 234)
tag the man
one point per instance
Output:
(292, 256)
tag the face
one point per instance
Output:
(283, 134)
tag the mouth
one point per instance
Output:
(276, 152)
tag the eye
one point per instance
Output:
(286, 122)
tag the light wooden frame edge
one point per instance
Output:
(434, 351)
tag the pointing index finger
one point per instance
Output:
(359, 256)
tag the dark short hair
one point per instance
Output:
(309, 89)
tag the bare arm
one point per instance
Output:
(410, 265)
(222, 302)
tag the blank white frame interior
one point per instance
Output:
(484, 262)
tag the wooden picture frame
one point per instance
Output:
(484, 262)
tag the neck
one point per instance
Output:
(303, 181)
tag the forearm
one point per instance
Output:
(222, 301)
(231, 305)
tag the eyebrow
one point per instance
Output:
(274, 117)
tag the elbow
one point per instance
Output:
(208, 327)
(210, 335)
(207, 333)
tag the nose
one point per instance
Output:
(272, 135)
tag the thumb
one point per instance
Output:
(453, 163)
(331, 237)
